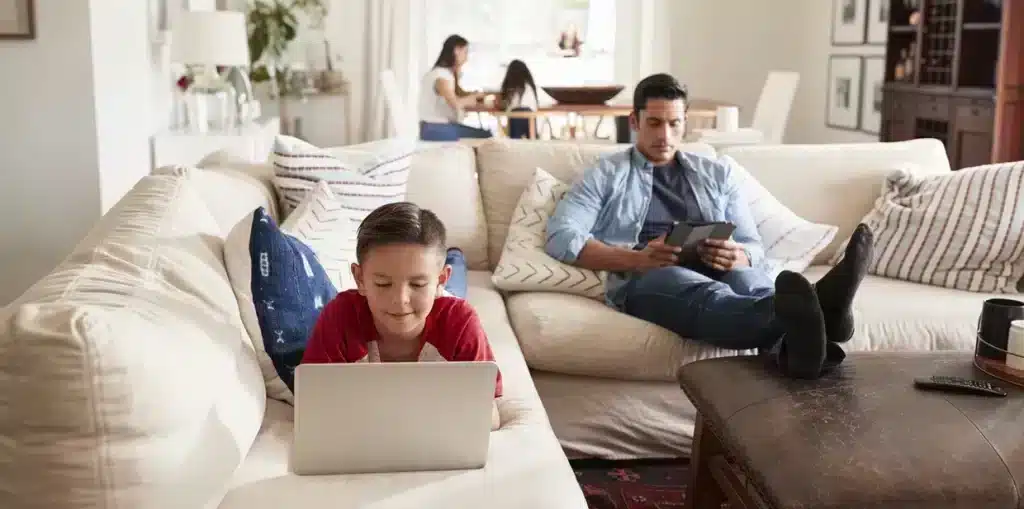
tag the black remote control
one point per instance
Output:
(959, 385)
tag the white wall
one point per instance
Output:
(75, 129)
(724, 50)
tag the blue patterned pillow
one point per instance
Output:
(281, 288)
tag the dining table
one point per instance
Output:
(700, 113)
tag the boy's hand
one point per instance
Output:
(495, 417)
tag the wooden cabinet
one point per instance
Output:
(955, 72)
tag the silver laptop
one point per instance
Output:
(392, 417)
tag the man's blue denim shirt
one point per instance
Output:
(609, 203)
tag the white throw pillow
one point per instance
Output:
(790, 242)
(524, 265)
(363, 177)
(328, 228)
(962, 230)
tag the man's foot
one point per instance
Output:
(803, 350)
(837, 288)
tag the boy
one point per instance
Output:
(397, 313)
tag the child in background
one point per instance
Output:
(397, 312)
(518, 93)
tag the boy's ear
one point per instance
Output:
(357, 274)
(446, 273)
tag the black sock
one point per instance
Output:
(803, 351)
(837, 288)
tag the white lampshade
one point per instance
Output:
(210, 38)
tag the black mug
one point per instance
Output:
(994, 326)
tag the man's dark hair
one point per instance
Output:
(399, 223)
(657, 86)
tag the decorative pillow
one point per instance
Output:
(281, 288)
(363, 177)
(962, 230)
(790, 242)
(325, 225)
(524, 265)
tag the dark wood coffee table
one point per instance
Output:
(861, 437)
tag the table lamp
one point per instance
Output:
(204, 40)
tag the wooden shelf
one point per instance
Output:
(982, 26)
(957, 75)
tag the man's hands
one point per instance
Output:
(722, 254)
(657, 254)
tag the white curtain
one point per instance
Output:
(642, 41)
(394, 29)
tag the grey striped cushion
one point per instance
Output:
(362, 177)
(962, 230)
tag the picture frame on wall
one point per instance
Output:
(849, 22)
(17, 19)
(872, 94)
(878, 21)
(843, 99)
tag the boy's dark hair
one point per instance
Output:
(400, 223)
(657, 86)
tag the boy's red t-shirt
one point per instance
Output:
(345, 332)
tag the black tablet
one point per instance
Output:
(688, 235)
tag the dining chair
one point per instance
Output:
(401, 117)
(772, 111)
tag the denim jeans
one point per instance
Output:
(457, 284)
(434, 131)
(732, 311)
(520, 127)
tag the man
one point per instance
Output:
(616, 219)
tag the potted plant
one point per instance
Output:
(273, 26)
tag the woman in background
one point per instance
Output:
(442, 101)
(519, 93)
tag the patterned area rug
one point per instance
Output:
(639, 484)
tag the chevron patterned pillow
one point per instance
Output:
(524, 266)
(329, 229)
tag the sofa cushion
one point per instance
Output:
(525, 464)
(280, 287)
(962, 230)
(524, 265)
(506, 167)
(573, 335)
(790, 242)
(898, 315)
(834, 184)
(443, 179)
(126, 377)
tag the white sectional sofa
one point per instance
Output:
(128, 381)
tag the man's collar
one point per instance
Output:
(640, 160)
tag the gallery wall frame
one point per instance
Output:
(872, 81)
(877, 21)
(849, 22)
(17, 20)
(843, 93)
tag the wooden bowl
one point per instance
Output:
(583, 95)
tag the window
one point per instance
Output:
(502, 30)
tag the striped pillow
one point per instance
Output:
(790, 242)
(362, 177)
(326, 226)
(962, 230)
